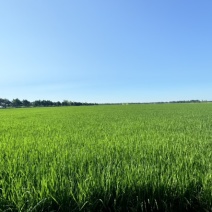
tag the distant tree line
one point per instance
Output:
(5, 103)
(170, 102)
(184, 101)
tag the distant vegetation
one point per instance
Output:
(154, 157)
(6, 103)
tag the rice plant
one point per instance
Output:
(107, 158)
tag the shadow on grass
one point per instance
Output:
(145, 199)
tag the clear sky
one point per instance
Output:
(106, 51)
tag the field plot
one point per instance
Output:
(107, 158)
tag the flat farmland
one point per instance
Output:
(155, 157)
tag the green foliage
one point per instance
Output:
(107, 158)
(16, 102)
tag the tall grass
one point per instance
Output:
(107, 158)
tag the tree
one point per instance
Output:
(36, 103)
(65, 103)
(26, 103)
(16, 103)
(5, 102)
(57, 103)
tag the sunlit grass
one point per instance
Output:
(114, 158)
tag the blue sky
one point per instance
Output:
(106, 51)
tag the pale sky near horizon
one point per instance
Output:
(106, 51)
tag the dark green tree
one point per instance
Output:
(16, 102)
(37, 103)
(26, 103)
(65, 103)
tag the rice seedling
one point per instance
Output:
(107, 158)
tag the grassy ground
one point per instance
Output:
(107, 158)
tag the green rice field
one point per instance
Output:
(152, 157)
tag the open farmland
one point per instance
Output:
(107, 158)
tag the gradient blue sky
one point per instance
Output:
(106, 51)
